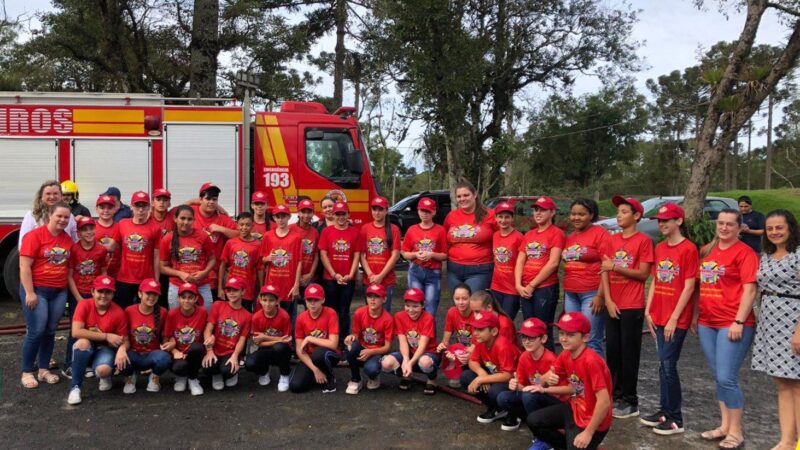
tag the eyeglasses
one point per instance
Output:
(523, 337)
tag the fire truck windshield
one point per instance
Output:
(331, 153)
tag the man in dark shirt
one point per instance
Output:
(123, 211)
(752, 224)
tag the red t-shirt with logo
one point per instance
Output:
(259, 230)
(587, 374)
(167, 224)
(241, 259)
(50, 256)
(138, 242)
(469, 243)
(629, 253)
(112, 321)
(500, 357)
(433, 239)
(505, 250)
(218, 239)
(104, 235)
(413, 330)
(194, 251)
(674, 264)
(536, 245)
(185, 329)
(583, 256)
(459, 326)
(278, 326)
(324, 326)
(308, 244)
(143, 335)
(282, 272)
(229, 325)
(530, 371)
(723, 274)
(340, 245)
(373, 332)
(87, 265)
(372, 243)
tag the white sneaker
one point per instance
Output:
(217, 383)
(130, 386)
(154, 384)
(353, 387)
(105, 384)
(89, 373)
(283, 383)
(455, 384)
(195, 388)
(74, 397)
(264, 380)
(180, 384)
(232, 381)
(374, 384)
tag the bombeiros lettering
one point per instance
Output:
(38, 121)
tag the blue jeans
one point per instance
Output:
(204, 290)
(582, 302)
(42, 323)
(431, 372)
(668, 355)
(487, 398)
(520, 404)
(372, 366)
(542, 305)
(72, 304)
(96, 356)
(509, 303)
(477, 276)
(430, 282)
(725, 358)
(158, 361)
(389, 294)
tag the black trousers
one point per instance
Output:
(190, 366)
(545, 424)
(127, 294)
(303, 379)
(221, 367)
(259, 361)
(623, 349)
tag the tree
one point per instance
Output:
(204, 49)
(732, 102)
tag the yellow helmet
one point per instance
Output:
(69, 187)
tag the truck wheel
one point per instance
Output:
(11, 273)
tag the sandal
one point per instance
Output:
(29, 381)
(405, 384)
(731, 442)
(713, 435)
(430, 389)
(48, 377)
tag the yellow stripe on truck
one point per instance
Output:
(352, 195)
(107, 115)
(182, 115)
(108, 128)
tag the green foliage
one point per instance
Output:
(703, 231)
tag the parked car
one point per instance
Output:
(649, 226)
(404, 213)
(523, 210)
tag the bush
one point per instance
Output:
(703, 231)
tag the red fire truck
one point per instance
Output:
(144, 142)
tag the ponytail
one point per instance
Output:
(487, 298)
(173, 248)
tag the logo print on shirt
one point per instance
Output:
(308, 246)
(465, 231)
(666, 271)
(425, 245)
(370, 335)
(502, 255)
(185, 335)
(317, 333)
(56, 255)
(143, 334)
(105, 240)
(272, 332)
(576, 384)
(280, 258)
(535, 250)
(257, 235)
(213, 236)
(413, 338)
(375, 245)
(135, 242)
(464, 337)
(490, 367)
(341, 246)
(535, 379)
(622, 259)
(241, 259)
(711, 272)
(229, 327)
(573, 252)
(87, 267)
(188, 255)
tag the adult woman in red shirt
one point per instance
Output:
(469, 234)
(43, 267)
(726, 324)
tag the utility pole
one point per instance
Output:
(247, 82)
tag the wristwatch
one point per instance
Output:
(738, 322)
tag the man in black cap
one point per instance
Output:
(123, 211)
(752, 224)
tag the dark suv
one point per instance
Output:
(404, 213)
(523, 210)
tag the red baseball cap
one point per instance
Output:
(305, 204)
(427, 204)
(314, 291)
(258, 197)
(414, 295)
(376, 289)
(533, 327)
(546, 203)
(381, 202)
(188, 287)
(340, 207)
(150, 285)
(504, 207)
(83, 221)
(268, 289)
(452, 369)
(140, 197)
(104, 282)
(485, 319)
(208, 186)
(670, 211)
(162, 193)
(235, 283)
(620, 200)
(105, 200)
(280, 209)
(573, 322)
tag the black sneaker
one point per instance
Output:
(624, 411)
(491, 415)
(330, 386)
(511, 423)
(67, 373)
(653, 420)
(668, 427)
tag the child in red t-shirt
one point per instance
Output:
(309, 236)
(491, 364)
(416, 335)
(482, 301)
(271, 332)
(240, 259)
(105, 229)
(183, 335)
(626, 267)
(225, 336)
(425, 247)
(458, 328)
(586, 418)
(142, 349)
(379, 245)
(373, 328)
(282, 259)
(316, 344)
(505, 245)
(261, 216)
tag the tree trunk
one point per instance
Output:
(339, 52)
(768, 165)
(204, 49)
(726, 171)
(749, 155)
